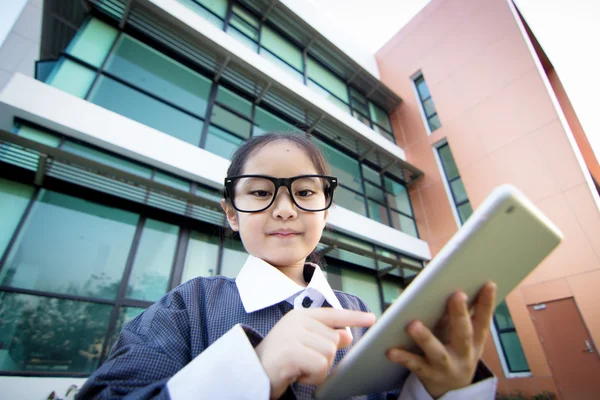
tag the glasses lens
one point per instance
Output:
(254, 194)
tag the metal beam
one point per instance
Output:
(390, 165)
(366, 153)
(310, 43)
(123, 20)
(354, 75)
(263, 93)
(266, 14)
(373, 90)
(222, 69)
(314, 125)
(41, 170)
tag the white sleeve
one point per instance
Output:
(485, 389)
(229, 368)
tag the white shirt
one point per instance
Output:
(210, 375)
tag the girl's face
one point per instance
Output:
(258, 231)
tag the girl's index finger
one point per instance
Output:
(336, 318)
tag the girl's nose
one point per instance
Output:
(284, 207)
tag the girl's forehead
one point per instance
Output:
(280, 158)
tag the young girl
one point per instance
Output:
(272, 332)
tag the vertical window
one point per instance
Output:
(244, 26)
(282, 52)
(371, 115)
(508, 341)
(427, 106)
(214, 11)
(327, 84)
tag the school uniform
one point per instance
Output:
(198, 341)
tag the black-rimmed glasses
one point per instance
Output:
(255, 193)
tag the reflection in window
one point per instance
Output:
(153, 261)
(234, 257)
(513, 351)
(221, 143)
(433, 121)
(126, 314)
(264, 122)
(201, 257)
(363, 285)
(14, 199)
(44, 334)
(64, 233)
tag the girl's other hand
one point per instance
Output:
(303, 344)
(450, 364)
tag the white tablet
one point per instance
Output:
(503, 241)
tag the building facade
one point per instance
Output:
(118, 119)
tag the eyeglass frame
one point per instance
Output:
(230, 181)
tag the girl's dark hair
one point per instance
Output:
(256, 143)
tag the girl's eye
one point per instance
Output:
(305, 193)
(260, 193)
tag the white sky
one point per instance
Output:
(568, 30)
(9, 10)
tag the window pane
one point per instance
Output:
(93, 43)
(267, 122)
(514, 352)
(219, 7)
(404, 223)
(106, 159)
(72, 78)
(201, 257)
(234, 101)
(350, 200)
(243, 27)
(429, 107)
(328, 96)
(391, 290)
(221, 143)
(465, 212)
(361, 118)
(363, 285)
(245, 40)
(327, 79)
(231, 122)
(297, 75)
(380, 116)
(384, 133)
(397, 196)
(458, 189)
(16, 155)
(502, 317)
(246, 16)
(38, 136)
(234, 257)
(44, 334)
(422, 88)
(14, 199)
(146, 110)
(172, 181)
(434, 123)
(334, 276)
(282, 47)
(70, 245)
(374, 192)
(153, 261)
(343, 166)
(371, 175)
(448, 162)
(378, 212)
(150, 70)
(126, 314)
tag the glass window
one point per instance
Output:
(327, 79)
(391, 290)
(422, 88)
(132, 104)
(328, 96)
(384, 133)
(230, 99)
(350, 200)
(363, 285)
(93, 42)
(403, 223)
(465, 211)
(126, 314)
(380, 116)
(448, 162)
(458, 189)
(219, 7)
(434, 122)
(344, 167)
(282, 48)
(106, 159)
(297, 75)
(429, 107)
(243, 39)
(221, 143)
(146, 68)
(72, 78)
(502, 316)
(244, 22)
(23, 158)
(173, 181)
(378, 212)
(231, 122)
(234, 257)
(515, 357)
(14, 199)
(45, 334)
(70, 245)
(371, 175)
(398, 196)
(266, 122)
(153, 261)
(201, 257)
(375, 192)
(36, 135)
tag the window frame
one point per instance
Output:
(414, 78)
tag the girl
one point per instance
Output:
(272, 331)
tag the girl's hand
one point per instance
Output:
(450, 365)
(303, 344)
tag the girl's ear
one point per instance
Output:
(231, 215)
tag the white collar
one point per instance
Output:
(261, 285)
